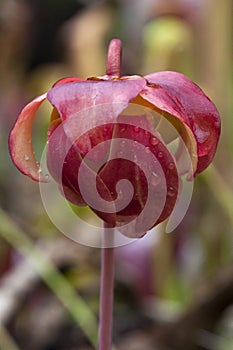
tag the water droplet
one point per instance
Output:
(120, 194)
(46, 176)
(136, 128)
(26, 157)
(120, 153)
(154, 141)
(155, 180)
(123, 143)
(135, 143)
(122, 130)
(146, 132)
(147, 149)
(171, 166)
(160, 154)
(171, 191)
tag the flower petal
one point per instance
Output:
(71, 98)
(65, 159)
(141, 158)
(20, 141)
(175, 94)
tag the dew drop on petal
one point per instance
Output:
(136, 128)
(171, 166)
(171, 191)
(160, 154)
(155, 180)
(154, 141)
(26, 157)
(120, 194)
(147, 149)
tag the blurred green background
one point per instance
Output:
(173, 292)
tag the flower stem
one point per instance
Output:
(114, 58)
(106, 292)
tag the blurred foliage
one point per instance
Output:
(168, 44)
(43, 41)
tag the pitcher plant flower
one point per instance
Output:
(104, 150)
(88, 118)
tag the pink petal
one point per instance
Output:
(69, 99)
(175, 94)
(20, 141)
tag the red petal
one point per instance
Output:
(129, 161)
(63, 161)
(175, 94)
(69, 99)
(20, 141)
(65, 158)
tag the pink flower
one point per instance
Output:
(88, 121)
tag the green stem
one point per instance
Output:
(106, 292)
(6, 341)
(64, 291)
(224, 195)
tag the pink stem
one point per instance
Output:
(114, 58)
(106, 293)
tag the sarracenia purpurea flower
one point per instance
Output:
(89, 126)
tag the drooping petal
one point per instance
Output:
(20, 141)
(70, 99)
(176, 95)
(141, 158)
(64, 160)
